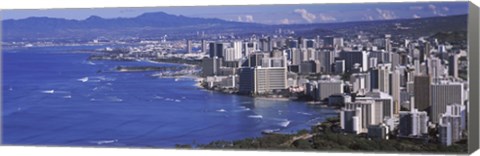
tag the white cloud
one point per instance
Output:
(416, 7)
(367, 17)
(326, 18)
(248, 18)
(309, 17)
(386, 14)
(245, 18)
(433, 8)
(416, 16)
(285, 21)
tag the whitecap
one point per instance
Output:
(256, 116)
(48, 91)
(304, 113)
(84, 79)
(284, 123)
(221, 110)
(90, 63)
(177, 100)
(67, 97)
(115, 99)
(158, 97)
(104, 142)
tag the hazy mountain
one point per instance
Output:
(154, 25)
(43, 27)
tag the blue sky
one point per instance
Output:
(268, 14)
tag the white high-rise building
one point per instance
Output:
(360, 83)
(371, 113)
(395, 90)
(350, 120)
(329, 87)
(383, 99)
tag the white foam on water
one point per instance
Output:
(90, 63)
(221, 110)
(256, 116)
(177, 100)
(304, 113)
(115, 99)
(158, 97)
(284, 123)
(84, 79)
(67, 97)
(48, 91)
(104, 142)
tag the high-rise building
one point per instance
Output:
(360, 83)
(371, 113)
(326, 58)
(308, 67)
(216, 49)
(247, 80)
(189, 46)
(211, 66)
(248, 48)
(453, 65)
(458, 110)
(445, 133)
(442, 94)
(329, 87)
(413, 123)
(204, 46)
(380, 79)
(378, 132)
(262, 77)
(421, 91)
(454, 122)
(395, 90)
(350, 120)
(382, 98)
(339, 67)
(435, 68)
(354, 58)
(373, 62)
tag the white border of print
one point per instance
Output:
(82, 151)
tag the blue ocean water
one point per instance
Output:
(54, 96)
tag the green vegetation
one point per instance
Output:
(325, 137)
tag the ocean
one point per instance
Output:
(54, 96)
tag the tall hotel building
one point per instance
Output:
(328, 87)
(444, 93)
(264, 77)
(421, 91)
(413, 123)
(371, 113)
(354, 57)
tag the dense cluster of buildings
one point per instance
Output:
(385, 86)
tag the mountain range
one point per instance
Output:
(151, 25)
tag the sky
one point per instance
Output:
(267, 14)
